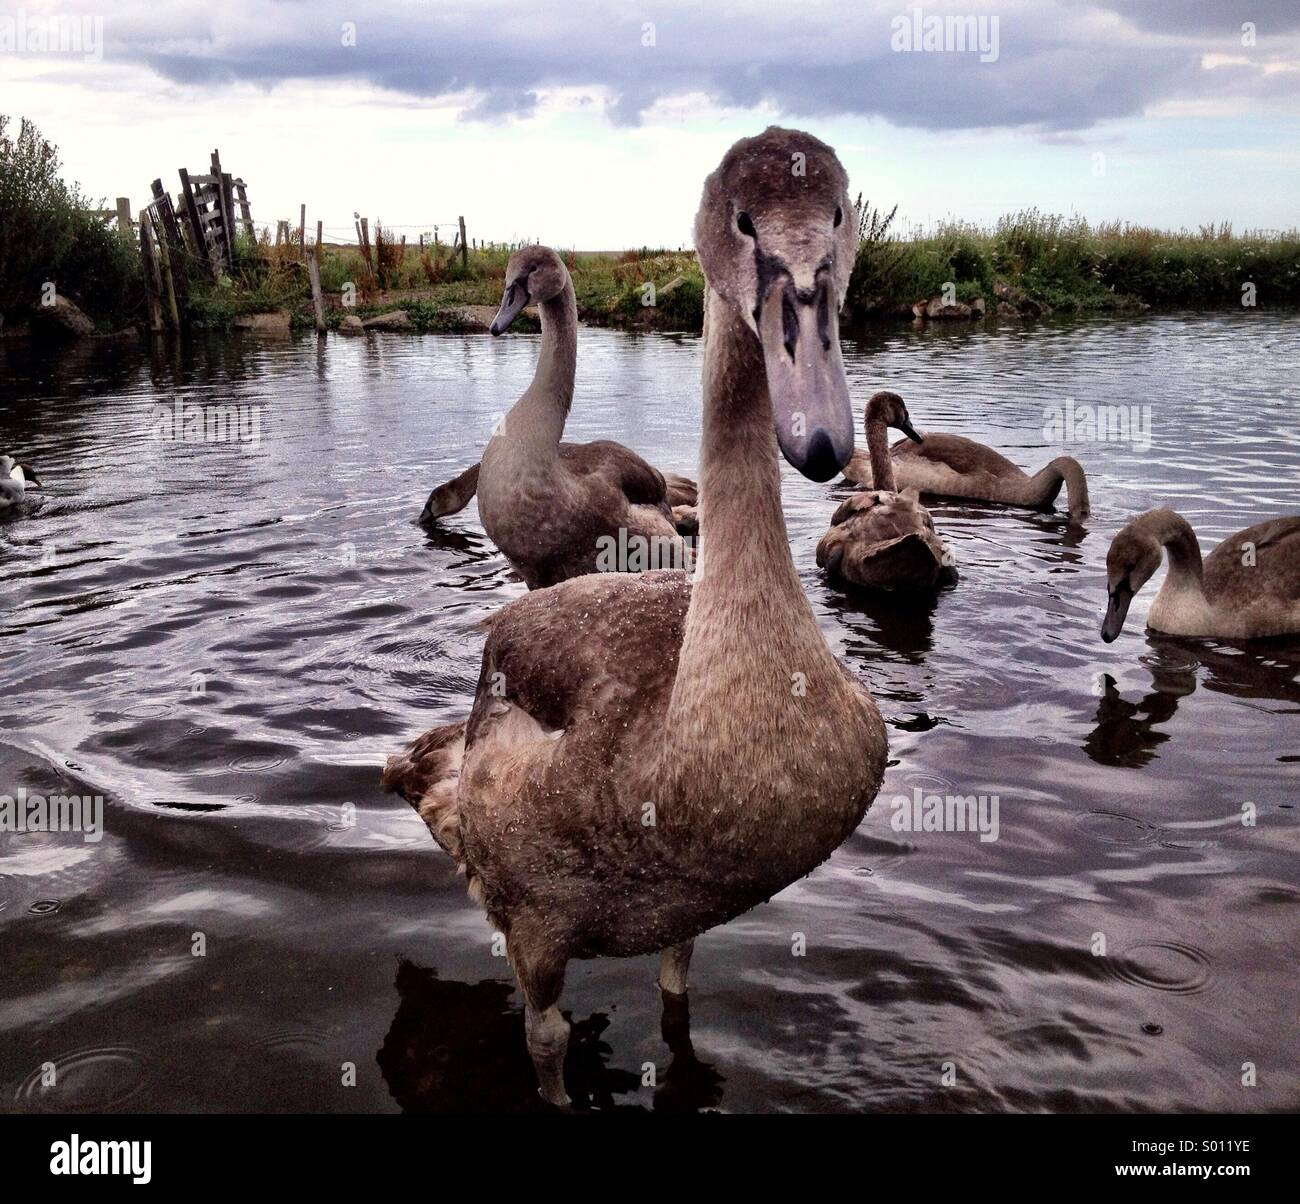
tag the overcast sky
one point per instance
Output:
(593, 124)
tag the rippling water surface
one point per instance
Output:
(224, 641)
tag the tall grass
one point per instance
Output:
(651, 287)
(1074, 265)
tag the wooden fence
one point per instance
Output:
(196, 232)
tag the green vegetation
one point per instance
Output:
(609, 288)
(617, 290)
(433, 286)
(1028, 264)
(48, 236)
(1072, 265)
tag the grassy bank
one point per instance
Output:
(435, 288)
(1026, 265)
(1070, 265)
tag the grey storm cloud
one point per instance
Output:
(1060, 65)
(1210, 17)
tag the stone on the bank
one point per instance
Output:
(62, 319)
(398, 319)
(935, 308)
(276, 322)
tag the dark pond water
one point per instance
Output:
(224, 640)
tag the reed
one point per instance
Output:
(1074, 265)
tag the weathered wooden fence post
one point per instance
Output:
(365, 245)
(124, 216)
(224, 190)
(152, 285)
(313, 273)
(228, 214)
(171, 233)
(464, 246)
(165, 261)
(196, 225)
(302, 231)
(245, 210)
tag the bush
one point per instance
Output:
(101, 272)
(36, 210)
(890, 274)
(389, 252)
(339, 270)
(1051, 257)
(683, 308)
(609, 288)
(47, 235)
(878, 268)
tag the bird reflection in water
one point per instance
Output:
(458, 1047)
(899, 627)
(1125, 733)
